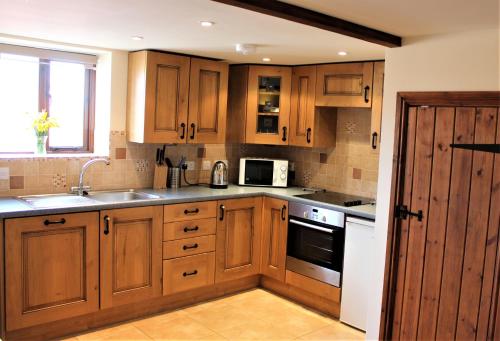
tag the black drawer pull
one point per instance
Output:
(222, 208)
(106, 225)
(374, 140)
(367, 88)
(308, 135)
(283, 211)
(191, 229)
(192, 273)
(193, 131)
(284, 135)
(183, 126)
(192, 246)
(196, 210)
(48, 222)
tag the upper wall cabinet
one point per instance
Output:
(378, 93)
(345, 85)
(161, 86)
(259, 104)
(310, 126)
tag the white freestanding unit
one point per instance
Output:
(358, 255)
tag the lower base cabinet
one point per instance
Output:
(51, 268)
(181, 274)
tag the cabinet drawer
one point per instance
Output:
(188, 229)
(189, 272)
(188, 246)
(188, 211)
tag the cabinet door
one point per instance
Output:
(238, 238)
(378, 91)
(268, 105)
(167, 86)
(274, 234)
(302, 106)
(51, 268)
(344, 85)
(207, 101)
(131, 255)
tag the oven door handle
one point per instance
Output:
(314, 227)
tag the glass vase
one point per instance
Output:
(41, 144)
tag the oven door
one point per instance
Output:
(259, 172)
(315, 250)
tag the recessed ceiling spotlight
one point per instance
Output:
(342, 53)
(137, 38)
(266, 59)
(205, 23)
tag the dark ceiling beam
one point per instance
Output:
(311, 18)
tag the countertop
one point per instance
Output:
(11, 207)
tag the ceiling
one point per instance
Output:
(173, 25)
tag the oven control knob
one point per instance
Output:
(324, 218)
(283, 176)
(283, 168)
(306, 215)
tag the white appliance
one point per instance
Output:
(263, 172)
(358, 255)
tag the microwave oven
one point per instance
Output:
(263, 172)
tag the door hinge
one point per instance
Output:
(402, 212)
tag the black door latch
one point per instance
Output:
(402, 212)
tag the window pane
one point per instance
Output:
(67, 93)
(18, 98)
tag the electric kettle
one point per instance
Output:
(219, 175)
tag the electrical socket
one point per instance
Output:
(206, 165)
(190, 165)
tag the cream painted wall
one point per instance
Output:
(466, 61)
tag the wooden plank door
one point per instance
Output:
(274, 238)
(166, 101)
(207, 101)
(302, 107)
(268, 106)
(445, 261)
(131, 255)
(238, 241)
(344, 85)
(51, 268)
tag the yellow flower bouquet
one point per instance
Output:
(41, 124)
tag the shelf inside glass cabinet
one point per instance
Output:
(268, 105)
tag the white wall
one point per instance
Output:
(467, 61)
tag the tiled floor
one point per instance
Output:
(251, 315)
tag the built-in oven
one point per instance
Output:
(315, 245)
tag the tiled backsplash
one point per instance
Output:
(350, 167)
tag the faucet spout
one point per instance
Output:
(81, 188)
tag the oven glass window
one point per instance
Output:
(321, 248)
(259, 172)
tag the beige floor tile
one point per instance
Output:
(181, 328)
(255, 330)
(221, 317)
(335, 331)
(122, 332)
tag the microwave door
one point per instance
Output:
(259, 172)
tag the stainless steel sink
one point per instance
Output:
(56, 200)
(120, 196)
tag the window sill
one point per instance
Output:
(49, 156)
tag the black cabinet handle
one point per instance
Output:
(283, 211)
(183, 126)
(196, 210)
(192, 273)
(222, 208)
(367, 89)
(374, 140)
(284, 135)
(193, 130)
(308, 135)
(106, 225)
(192, 246)
(191, 229)
(49, 222)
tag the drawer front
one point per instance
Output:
(189, 211)
(188, 246)
(190, 272)
(189, 228)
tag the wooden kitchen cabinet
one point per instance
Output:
(259, 104)
(207, 101)
(238, 241)
(161, 88)
(51, 268)
(130, 255)
(274, 238)
(378, 92)
(345, 85)
(310, 126)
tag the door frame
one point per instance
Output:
(403, 102)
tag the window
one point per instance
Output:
(63, 84)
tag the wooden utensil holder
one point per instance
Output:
(160, 177)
